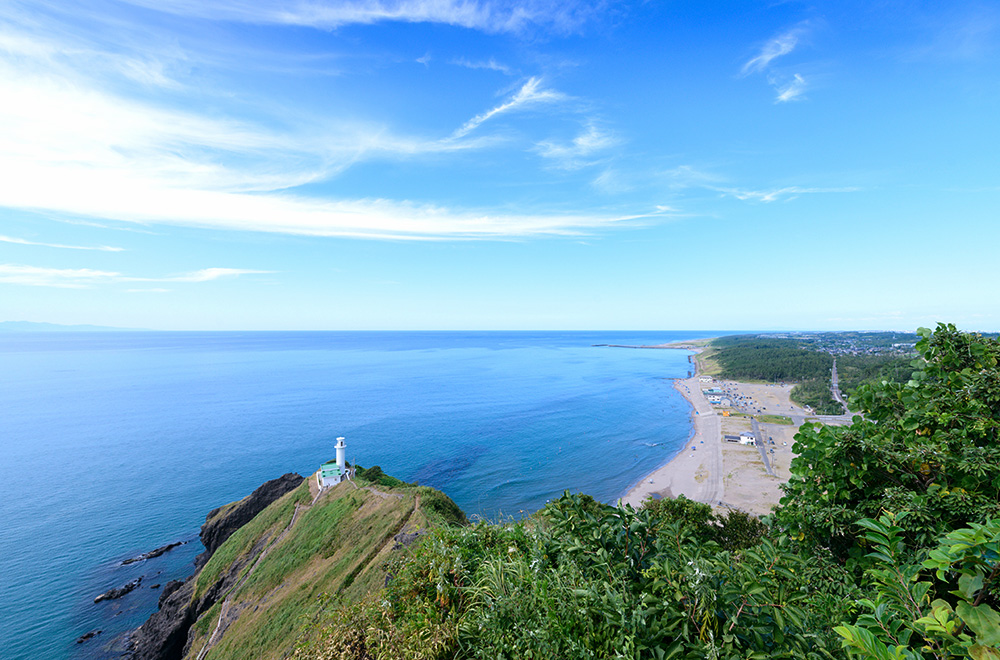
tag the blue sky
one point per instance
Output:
(449, 164)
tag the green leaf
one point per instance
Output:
(979, 652)
(969, 585)
(983, 620)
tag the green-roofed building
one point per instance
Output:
(332, 473)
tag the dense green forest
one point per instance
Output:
(749, 357)
(886, 545)
(857, 369)
(816, 394)
(753, 358)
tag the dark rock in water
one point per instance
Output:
(218, 528)
(155, 586)
(84, 638)
(111, 594)
(165, 635)
(153, 553)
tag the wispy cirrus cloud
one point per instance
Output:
(960, 33)
(22, 241)
(579, 152)
(203, 275)
(115, 159)
(53, 116)
(778, 194)
(63, 278)
(791, 90)
(136, 159)
(490, 64)
(82, 278)
(531, 93)
(780, 45)
(787, 88)
(492, 16)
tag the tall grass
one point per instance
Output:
(266, 524)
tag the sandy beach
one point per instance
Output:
(696, 472)
(726, 474)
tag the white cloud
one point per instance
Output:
(575, 154)
(495, 16)
(21, 241)
(204, 275)
(121, 196)
(791, 90)
(961, 32)
(112, 157)
(117, 158)
(612, 182)
(789, 192)
(775, 48)
(490, 64)
(686, 176)
(64, 278)
(59, 108)
(531, 93)
(81, 278)
(788, 89)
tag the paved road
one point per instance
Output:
(835, 388)
(761, 445)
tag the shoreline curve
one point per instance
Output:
(695, 473)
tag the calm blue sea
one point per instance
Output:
(117, 443)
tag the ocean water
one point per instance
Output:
(114, 444)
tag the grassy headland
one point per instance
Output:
(886, 545)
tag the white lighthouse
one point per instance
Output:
(341, 455)
(332, 473)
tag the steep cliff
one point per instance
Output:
(220, 523)
(266, 578)
(164, 635)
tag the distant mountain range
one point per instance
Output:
(31, 326)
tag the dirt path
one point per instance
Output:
(226, 618)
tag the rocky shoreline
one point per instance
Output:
(153, 553)
(118, 592)
(164, 636)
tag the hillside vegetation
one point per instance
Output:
(885, 546)
(260, 592)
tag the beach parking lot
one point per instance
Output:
(728, 474)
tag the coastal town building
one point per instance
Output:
(748, 438)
